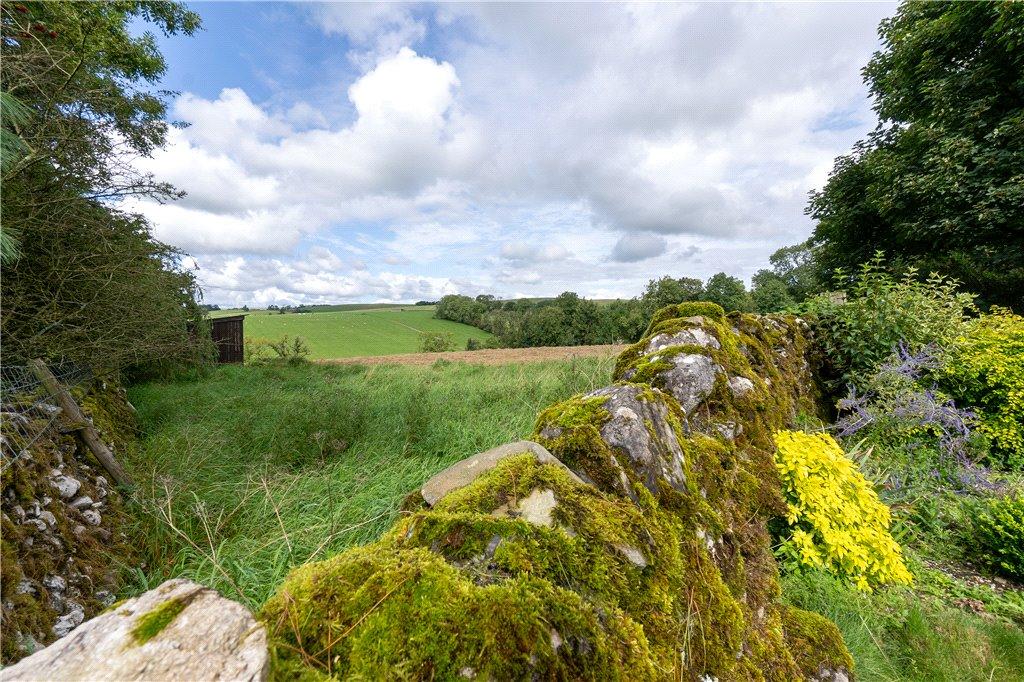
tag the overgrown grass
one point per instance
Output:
(252, 471)
(897, 635)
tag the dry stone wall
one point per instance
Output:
(629, 541)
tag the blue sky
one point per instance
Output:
(396, 152)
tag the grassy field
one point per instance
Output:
(253, 470)
(352, 333)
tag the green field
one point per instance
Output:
(352, 333)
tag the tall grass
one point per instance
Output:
(898, 636)
(252, 471)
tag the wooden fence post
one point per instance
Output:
(78, 420)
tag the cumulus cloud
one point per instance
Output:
(637, 247)
(553, 146)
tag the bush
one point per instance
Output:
(857, 334)
(436, 342)
(984, 367)
(915, 437)
(836, 521)
(997, 531)
(265, 351)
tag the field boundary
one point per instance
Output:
(490, 356)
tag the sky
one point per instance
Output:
(399, 152)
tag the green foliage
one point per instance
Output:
(669, 291)
(938, 184)
(836, 521)
(997, 533)
(770, 294)
(436, 342)
(879, 312)
(984, 368)
(90, 283)
(897, 635)
(285, 350)
(728, 292)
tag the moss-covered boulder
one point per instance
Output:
(642, 553)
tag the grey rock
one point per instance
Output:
(691, 379)
(537, 507)
(212, 638)
(464, 472)
(48, 517)
(105, 597)
(81, 502)
(638, 429)
(92, 517)
(19, 512)
(740, 386)
(695, 336)
(69, 621)
(25, 586)
(728, 430)
(39, 524)
(635, 556)
(55, 582)
(65, 485)
(79, 531)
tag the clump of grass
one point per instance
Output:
(254, 470)
(897, 635)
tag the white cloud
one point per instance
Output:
(554, 146)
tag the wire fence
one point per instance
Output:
(27, 410)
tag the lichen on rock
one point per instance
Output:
(642, 552)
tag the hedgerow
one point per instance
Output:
(836, 520)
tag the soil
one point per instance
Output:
(496, 356)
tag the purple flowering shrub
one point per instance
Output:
(917, 435)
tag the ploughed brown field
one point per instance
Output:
(496, 356)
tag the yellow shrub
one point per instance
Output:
(836, 520)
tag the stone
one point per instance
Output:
(536, 507)
(691, 379)
(48, 517)
(55, 582)
(68, 622)
(81, 502)
(39, 524)
(92, 517)
(65, 485)
(687, 337)
(25, 586)
(204, 637)
(635, 556)
(653, 457)
(740, 386)
(464, 472)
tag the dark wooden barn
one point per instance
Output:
(228, 336)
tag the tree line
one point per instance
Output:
(570, 320)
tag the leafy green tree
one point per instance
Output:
(798, 269)
(938, 184)
(668, 291)
(728, 292)
(91, 283)
(770, 293)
